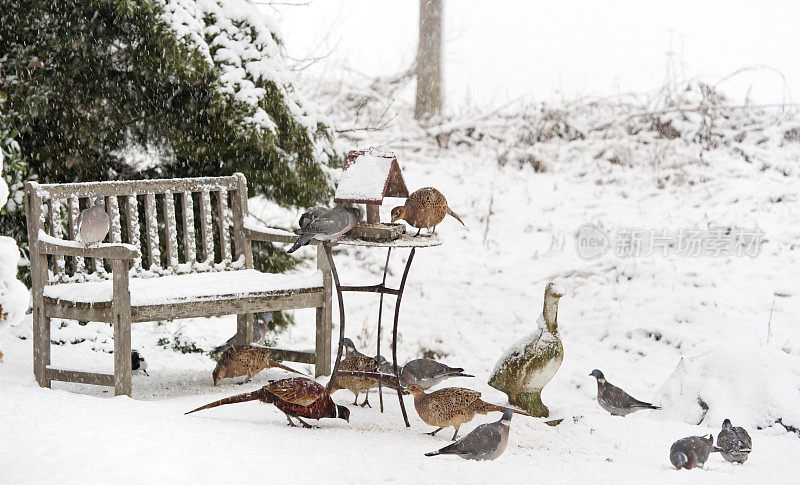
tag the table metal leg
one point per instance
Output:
(380, 314)
(327, 246)
(394, 334)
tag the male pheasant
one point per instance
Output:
(297, 397)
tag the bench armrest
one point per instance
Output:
(255, 231)
(62, 247)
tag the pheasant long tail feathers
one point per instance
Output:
(456, 216)
(248, 396)
(301, 241)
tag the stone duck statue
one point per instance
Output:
(526, 367)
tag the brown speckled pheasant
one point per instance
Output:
(357, 385)
(245, 360)
(425, 208)
(451, 406)
(297, 397)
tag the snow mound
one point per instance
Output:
(14, 297)
(754, 386)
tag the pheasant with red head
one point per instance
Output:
(297, 397)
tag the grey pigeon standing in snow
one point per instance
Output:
(615, 400)
(426, 373)
(259, 334)
(138, 362)
(93, 223)
(327, 225)
(486, 442)
(734, 442)
(691, 452)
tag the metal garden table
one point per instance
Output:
(404, 241)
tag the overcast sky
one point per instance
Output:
(498, 51)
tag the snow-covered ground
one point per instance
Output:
(634, 318)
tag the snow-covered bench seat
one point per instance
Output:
(177, 248)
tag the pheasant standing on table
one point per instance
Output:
(451, 406)
(245, 360)
(93, 223)
(296, 397)
(425, 208)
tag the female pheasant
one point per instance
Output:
(245, 360)
(451, 406)
(297, 397)
(425, 208)
(354, 384)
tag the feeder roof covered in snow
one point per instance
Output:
(368, 177)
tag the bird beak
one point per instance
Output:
(395, 218)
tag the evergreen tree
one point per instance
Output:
(201, 84)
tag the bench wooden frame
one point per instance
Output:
(50, 251)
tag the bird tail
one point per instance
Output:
(301, 241)
(458, 373)
(456, 216)
(716, 448)
(433, 453)
(272, 363)
(260, 394)
(485, 407)
(451, 449)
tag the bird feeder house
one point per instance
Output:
(368, 177)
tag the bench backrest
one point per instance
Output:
(199, 221)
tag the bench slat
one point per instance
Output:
(56, 230)
(206, 229)
(171, 230)
(132, 215)
(189, 244)
(151, 228)
(115, 229)
(223, 218)
(73, 209)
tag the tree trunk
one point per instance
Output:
(429, 60)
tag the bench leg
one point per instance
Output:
(41, 346)
(244, 329)
(122, 355)
(322, 362)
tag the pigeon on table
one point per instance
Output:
(691, 452)
(426, 373)
(327, 225)
(615, 400)
(259, 336)
(93, 223)
(138, 362)
(486, 442)
(310, 215)
(734, 442)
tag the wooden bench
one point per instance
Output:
(206, 268)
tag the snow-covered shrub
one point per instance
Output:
(14, 297)
(754, 386)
